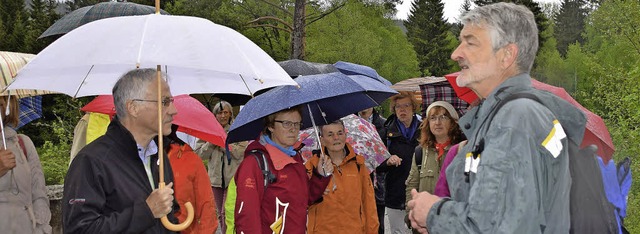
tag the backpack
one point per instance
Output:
(590, 211)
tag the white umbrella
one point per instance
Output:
(198, 55)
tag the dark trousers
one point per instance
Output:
(380, 209)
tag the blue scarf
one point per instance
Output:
(407, 132)
(288, 151)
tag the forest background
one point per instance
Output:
(589, 47)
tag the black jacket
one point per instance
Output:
(106, 187)
(397, 144)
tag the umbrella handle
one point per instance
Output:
(181, 226)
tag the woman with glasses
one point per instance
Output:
(221, 170)
(271, 191)
(400, 135)
(24, 206)
(438, 132)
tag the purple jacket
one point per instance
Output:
(442, 187)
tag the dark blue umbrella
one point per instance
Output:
(328, 97)
(357, 69)
(30, 109)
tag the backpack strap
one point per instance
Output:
(478, 146)
(24, 149)
(268, 176)
(418, 157)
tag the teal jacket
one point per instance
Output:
(521, 183)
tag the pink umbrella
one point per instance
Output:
(361, 134)
(193, 118)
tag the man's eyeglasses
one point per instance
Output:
(289, 124)
(166, 102)
(433, 118)
(403, 106)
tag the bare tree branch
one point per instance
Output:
(279, 7)
(263, 18)
(312, 18)
(269, 26)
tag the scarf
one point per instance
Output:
(288, 151)
(440, 147)
(407, 132)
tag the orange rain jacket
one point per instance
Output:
(350, 204)
(192, 185)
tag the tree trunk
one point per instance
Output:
(298, 34)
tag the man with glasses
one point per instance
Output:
(112, 184)
(400, 134)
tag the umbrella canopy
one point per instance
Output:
(30, 110)
(596, 132)
(361, 134)
(327, 96)
(198, 56)
(297, 67)
(101, 10)
(464, 93)
(10, 64)
(357, 69)
(193, 118)
(441, 91)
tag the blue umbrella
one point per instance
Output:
(357, 69)
(326, 98)
(30, 109)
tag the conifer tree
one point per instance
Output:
(569, 24)
(427, 31)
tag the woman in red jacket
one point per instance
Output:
(191, 184)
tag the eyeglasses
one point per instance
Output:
(289, 124)
(433, 118)
(166, 102)
(403, 106)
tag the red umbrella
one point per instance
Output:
(596, 132)
(193, 118)
(464, 93)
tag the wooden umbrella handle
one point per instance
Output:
(167, 224)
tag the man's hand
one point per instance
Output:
(394, 160)
(419, 207)
(325, 166)
(160, 201)
(7, 161)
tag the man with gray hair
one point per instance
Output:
(513, 174)
(111, 185)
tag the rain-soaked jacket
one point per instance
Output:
(522, 181)
(425, 179)
(350, 206)
(24, 206)
(288, 197)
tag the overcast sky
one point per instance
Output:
(451, 9)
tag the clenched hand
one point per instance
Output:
(7, 161)
(160, 201)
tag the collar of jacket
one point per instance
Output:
(278, 158)
(124, 139)
(393, 131)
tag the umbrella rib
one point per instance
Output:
(83, 79)
(246, 85)
(144, 31)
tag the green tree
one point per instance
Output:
(14, 20)
(569, 23)
(360, 33)
(41, 15)
(428, 33)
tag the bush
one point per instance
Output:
(55, 161)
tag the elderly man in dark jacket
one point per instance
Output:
(400, 134)
(111, 186)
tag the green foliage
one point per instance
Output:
(429, 33)
(54, 154)
(569, 23)
(360, 34)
